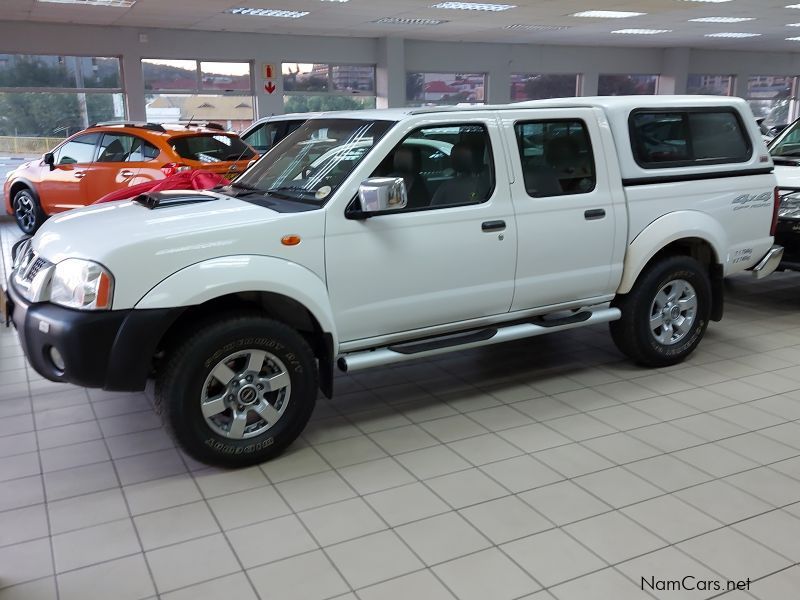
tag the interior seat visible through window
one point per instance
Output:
(470, 183)
(407, 162)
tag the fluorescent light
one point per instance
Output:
(732, 34)
(115, 3)
(405, 21)
(793, 6)
(793, 39)
(335, 0)
(642, 31)
(526, 27)
(607, 14)
(793, 24)
(266, 12)
(712, 1)
(473, 6)
(722, 19)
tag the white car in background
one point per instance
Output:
(264, 133)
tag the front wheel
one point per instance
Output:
(666, 313)
(239, 391)
(27, 212)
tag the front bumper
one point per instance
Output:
(767, 265)
(112, 350)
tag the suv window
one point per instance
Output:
(78, 150)
(211, 148)
(556, 157)
(685, 137)
(443, 165)
(122, 147)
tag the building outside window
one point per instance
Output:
(45, 98)
(180, 91)
(432, 89)
(715, 85)
(627, 85)
(773, 98)
(538, 86)
(310, 87)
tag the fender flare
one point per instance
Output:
(28, 184)
(221, 276)
(674, 226)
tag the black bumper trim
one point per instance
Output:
(112, 350)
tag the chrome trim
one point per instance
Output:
(767, 265)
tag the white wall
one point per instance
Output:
(392, 56)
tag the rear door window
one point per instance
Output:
(211, 148)
(682, 138)
(79, 150)
(556, 157)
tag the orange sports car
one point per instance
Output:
(106, 157)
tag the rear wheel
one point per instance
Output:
(239, 391)
(666, 313)
(27, 212)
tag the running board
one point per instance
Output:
(357, 361)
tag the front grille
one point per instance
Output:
(33, 269)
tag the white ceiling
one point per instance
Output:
(354, 18)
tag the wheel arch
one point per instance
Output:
(277, 288)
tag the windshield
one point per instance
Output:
(313, 161)
(787, 143)
(211, 148)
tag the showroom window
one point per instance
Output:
(436, 89)
(312, 87)
(627, 85)
(773, 97)
(180, 91)
(539, 86)
(714, 85)
(45, 98)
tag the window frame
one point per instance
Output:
(658, 77)
(57, 151)
(353, 207)
(556, 120)
(330, 91)
(412, 103)
(578, 84)
(199, 90)
(690, 141)
(142, 143)
(71, 90)
(731, 84)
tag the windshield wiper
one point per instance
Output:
(281, 191)
(246, 189)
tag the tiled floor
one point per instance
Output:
(549, 468)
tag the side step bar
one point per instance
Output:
(357, 361)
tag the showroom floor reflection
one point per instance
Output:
(549, 468)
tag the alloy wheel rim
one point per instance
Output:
(245, 394)
(24, 211)
(673, 312)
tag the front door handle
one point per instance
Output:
(493, 225)
(594, 214)
(79, 175)
(126, 173)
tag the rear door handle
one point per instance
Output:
(79, 174)
(493, 225)
(126, 173)
(594, 214)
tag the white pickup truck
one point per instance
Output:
(369, 238)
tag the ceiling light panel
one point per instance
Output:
(114, 3)
(473, 6)
(642, 31)
(266, 12)
(722, 19)
(607, 14)
(793, 6)
(404, 21)
(733, 34)
(708, 1)
(527, 27)
(793, 39)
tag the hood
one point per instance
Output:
(141, 246)
(787, 176)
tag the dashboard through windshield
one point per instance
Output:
(311, 163)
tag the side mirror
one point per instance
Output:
(382, 194)
(49, 159)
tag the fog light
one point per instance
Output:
(57, 359)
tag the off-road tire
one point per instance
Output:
(180, 384)
(632, 333)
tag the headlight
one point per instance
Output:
(81, 284)
(790, 207)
